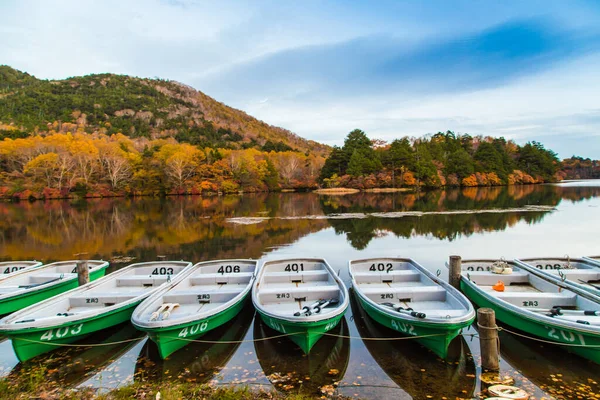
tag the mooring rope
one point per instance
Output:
(231, 341)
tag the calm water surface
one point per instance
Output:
(526, 221)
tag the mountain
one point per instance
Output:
(136, 107)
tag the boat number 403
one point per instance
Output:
(565, 336)
(194, 329)
(381, 267)
(402, 327)
(62, 332)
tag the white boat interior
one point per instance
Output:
(577, 270)
(133, 282)
(36, 278)
(209, 288)
(10, 267)
(401, 282)
(285, 287)
(527, 291)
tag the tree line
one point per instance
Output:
(60, 165)
(443, 159)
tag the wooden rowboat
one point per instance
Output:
(8, 268)
(579, 272)
(402, 295)
(77, 313)
(211, 294)
(536, 304)
(301, 297)
(32, 285)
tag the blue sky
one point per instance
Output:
(525, 70)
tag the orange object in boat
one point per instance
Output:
(499, 287)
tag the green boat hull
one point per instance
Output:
(29, 343)
(304, 334)
(439, 336)
(170, 339)
(12, 304)
(584, 342)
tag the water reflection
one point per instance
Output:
(551, 368)
(197, 362)
(288, 368)
(418, 371)
(70, 366)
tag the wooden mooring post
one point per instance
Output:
(454, 276)
(489, 343)
(83, 272)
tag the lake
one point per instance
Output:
(509, 222)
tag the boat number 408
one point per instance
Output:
(62, 332)
(381, 267)
(194, 329)
(565, 336)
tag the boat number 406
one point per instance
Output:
(402, 327)
(194, 329)
(62, 332)
(565, 336)
(381, 267)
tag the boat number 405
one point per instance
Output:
(62, 332)
(402, 327)
(381, 267)
(565, 336)
(8, 270)
(194, 329)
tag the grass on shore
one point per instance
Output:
(35, 384)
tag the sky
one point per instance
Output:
(525, 70)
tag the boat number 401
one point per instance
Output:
(565, 336)
(62, 332)
(402, 327)
(194, 329)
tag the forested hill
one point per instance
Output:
(136, 107)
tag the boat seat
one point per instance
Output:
(406, 275)
(290, 294)
(41, 278)
(537, 299)
(151, 280)
(405, 294)
(576, 274)
(216, 278)
(101, 299)
(306, 276)
(199, 296)
(485, 278)
(214, 269)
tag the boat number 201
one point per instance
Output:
(194, 329)
(565, 336)
(62, 332)
(381, 267)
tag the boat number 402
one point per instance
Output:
(402, 327)
(381, 267)
(62, 332)
(194, 329)
(565, 336)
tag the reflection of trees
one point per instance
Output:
(191, 228)
(445, 226)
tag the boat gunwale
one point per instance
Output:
(26, 292)
(448, 323)
(537, 317)
(152, 326)
(11, 328)
(301, 320)
(568, 284)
